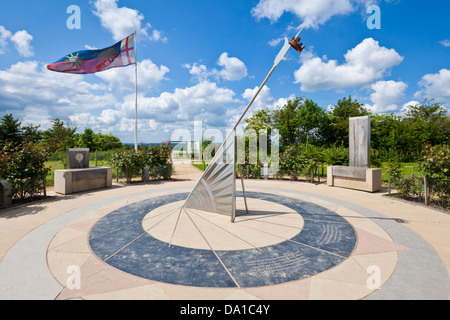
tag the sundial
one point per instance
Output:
(284, 239)
(126, 239)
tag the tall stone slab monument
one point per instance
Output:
(359, 142)
(358, 175)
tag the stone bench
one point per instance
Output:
(78, 180)
(359, 178)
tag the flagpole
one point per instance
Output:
(136, 82)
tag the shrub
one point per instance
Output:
(24, 167)
(436, 167)
(394, 172)
(310, 167)
(128, 162)
(131, 163)
(336, 155)
(291, 162)
(410, 187)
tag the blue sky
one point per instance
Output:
(202, 60)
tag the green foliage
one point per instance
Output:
(295, 161)
(32, 133)
(339, 120)
(24, 167)
(131, 163)
(410, 187)
(394, 171)
(309, 117)
(336, 155)
(10, 131)
(97, 141)
(59, 137)
(87, 140)
(436, 167)
(128, 162)
(291, 162)
(260, 120)
(286, 122)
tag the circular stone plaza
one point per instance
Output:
(298, 241)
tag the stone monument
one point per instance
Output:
(79, 177)
(358, 175)
(77, 158)
(5, 194)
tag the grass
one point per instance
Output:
(199, 166)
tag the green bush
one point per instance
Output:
(410, 187)
(291, 162)
(131, 163)
(336, 155)
(128, 162)
(435, 165)
(394, 171)
(24, 167)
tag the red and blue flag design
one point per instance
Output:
(119, 55)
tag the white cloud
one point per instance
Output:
(387, 96)
(436, 86)
(312, 13)
(445, 43)
(4, 37)
(123, 21)
(232, 69)
(363, 65)
(28, 89)
(22, 41)
(205, 101)
(199, 71)
(123, 79)
(407, 106)
(265, 100)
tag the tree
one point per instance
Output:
(260, 120)
(285, 120)
(60, 137)
(107, 142)
(309, 117)
(10, 131)
(260, 123)
(344, 109)
(32, 133)
(426, 111)
(87, 140)
(431, 120)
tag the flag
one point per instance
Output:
(121, 54)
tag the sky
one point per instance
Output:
(200, 62)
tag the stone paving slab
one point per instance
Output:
(45, 239)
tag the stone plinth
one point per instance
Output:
(78, 158)
(366, 179)
(5, 194)
(78, 180)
